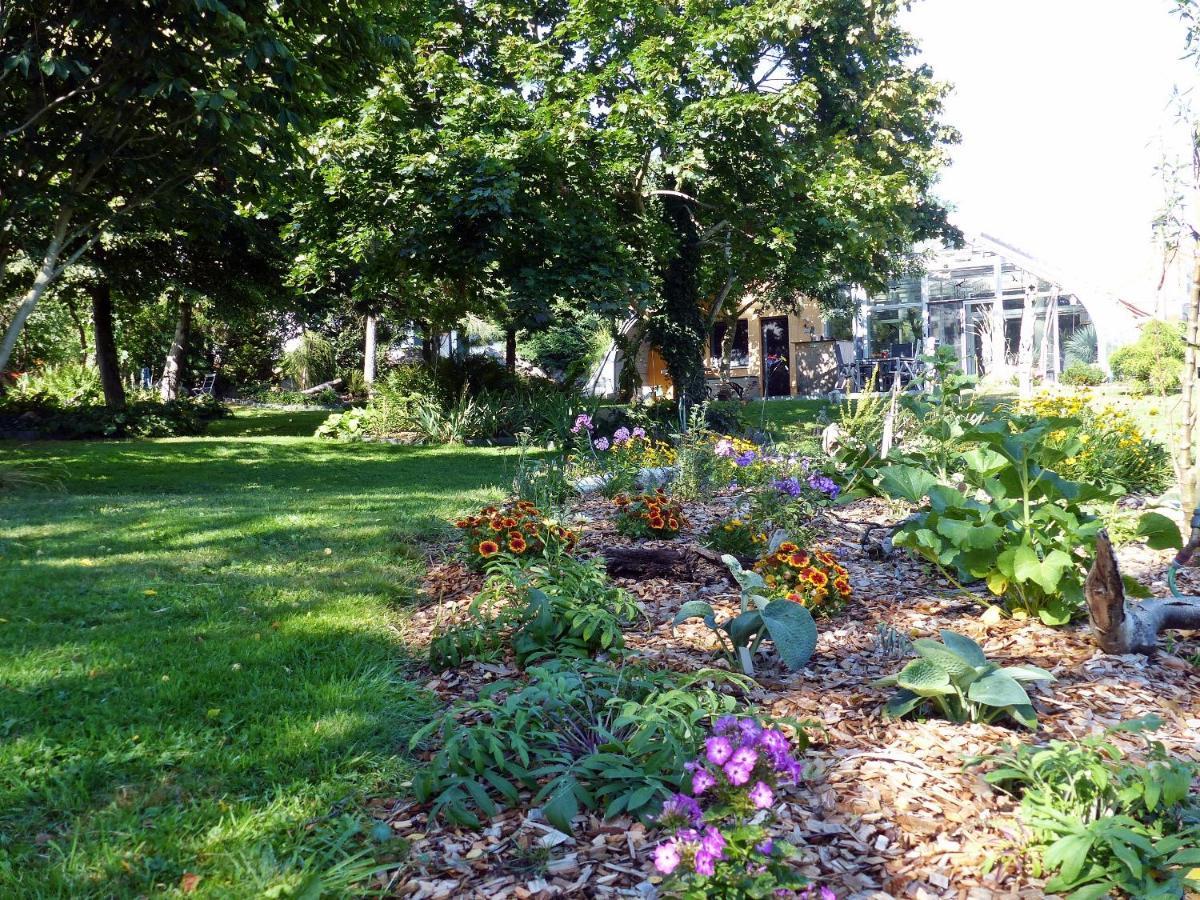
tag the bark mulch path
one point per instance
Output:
(887, 809)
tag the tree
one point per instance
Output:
(111, 109)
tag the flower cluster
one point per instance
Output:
(1114, 447)
(815, 580)
(517, 528)
(649, 515)
(720, 830)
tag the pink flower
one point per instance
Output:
(666, 857)
(718, 750)
(761, 795)
(601, 443)
(702, 781)
(737, 775)
(705, 863)
(745, 757)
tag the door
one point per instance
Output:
(776, 373)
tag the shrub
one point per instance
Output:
(1155, 359)
(721, 844)
(957, 680)
(63, 385)
(649, 516)
(1083, 374)
(1104, 823)
(1081, 346)
(620, 460)
(788, 624)
(140, 418)
(310, 361)
(517, 529)
(739, 537)
(814, 580)
(351, 425)
(577, 734)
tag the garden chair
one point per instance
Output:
(207, 386)
(848, 369)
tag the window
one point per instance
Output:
(739, 353)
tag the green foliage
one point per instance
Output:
(789, 625)
(577, 735)
(737, 537)
(351, 425)
(310, 361)
(1082, 347)
(649, 516)
(138, 418)
(1083, 375)
(1028, 539)
(1103, 822)
(65, 384)
(567, 348)
(956, 679)
(1155, 359)
(542, 480)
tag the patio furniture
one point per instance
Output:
(849, 371)
(207, 386)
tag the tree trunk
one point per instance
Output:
(80, 328)
(677, 329)
(369, 352)
(1123, 627)
(46, 275)
(1025, 352)
(510, 349)
(1186, 456)
(106, 344)
(173, 367)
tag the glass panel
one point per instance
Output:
(945, 324)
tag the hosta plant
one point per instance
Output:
(578, 735)
(814, 579)
(1012, 522)
(517, 529)
(955, 679)
(1104, 823)
(649, 515)
(788, 625)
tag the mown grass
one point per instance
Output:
(200, 671)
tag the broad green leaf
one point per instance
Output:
(1134, 588)
(793, 631)
(951, 662)
(925, 678)
(901, 703)
(906, 483)
(998, 689)
(1026, 565)
(964, 647)
(696, 609)
(1027, 673)
(563, 805)
(1160, 532)
(1068, 855)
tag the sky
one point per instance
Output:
(1064, 111)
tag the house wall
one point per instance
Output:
(803, 326)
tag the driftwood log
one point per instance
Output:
(1124, 627)
(317, 388)
(662, 562)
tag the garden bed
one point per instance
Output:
(886, 808)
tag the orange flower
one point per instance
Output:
(826, 558)
(656, 522)
(818, 578)
(798, 560)
(463, 523)
(488, 511)
(509, 522)
(673, 524)
(497, 525)
(488, 548)
(517, 544)
(796, 598)
(842, 586)
(788, 547)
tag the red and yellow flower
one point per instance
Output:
(813, 579)
(649, 515)
(488, 548)
(517, 528)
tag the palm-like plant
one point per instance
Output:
(1080, 346)
(309, 361)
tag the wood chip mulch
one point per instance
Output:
(887, 809)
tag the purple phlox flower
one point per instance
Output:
(761, 795)
(827, 893)
(824, 484)
(750, 731)
(733, 485)
(774, 742)
(737, 774)
(805, 465)
(601, 443)
(705, 863)
(621, 435)
(792, 769)
(790, 486)
(724, 448)
(583, 422)
(702, 780)
(681, 807)
(638, 432)
(765, 847)
(718, 749)
(666, 857)
(745, 756)
(744, 459)
(724, 724)
(712, 841)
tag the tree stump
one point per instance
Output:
(1124, 627)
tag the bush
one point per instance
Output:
(351, 425)
(140, 418)
(1083, 374)
(649, 516)
(1155, 360)
(517, 530)
(1104, 823)
(739, 537)
(67, 384)
(956, 679)
(578, 734)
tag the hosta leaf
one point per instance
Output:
(901, 703)
(998, 689)
(925, 678)
(793, 631)
(742, 629)
(1027, 673)
(696, 609)
(949, 661)
(964, 647)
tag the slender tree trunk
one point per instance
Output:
(1025, 352)
(173, 367)
(369, 352)
(510, 348)
(1187, 455)
(106, 344)
(678, 327)
(80, 327)
(45, 277)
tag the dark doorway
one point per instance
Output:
(776, 372)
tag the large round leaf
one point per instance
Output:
(998, 689)
(926, 678)
(950, 662)
(793, 630)
(964, 647)
(696, 609)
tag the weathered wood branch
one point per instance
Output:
(1124, 627)
(317, 388)
(661, 562)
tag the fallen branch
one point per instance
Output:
(317, 388)
(1124, 627)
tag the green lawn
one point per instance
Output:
(199, 666)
